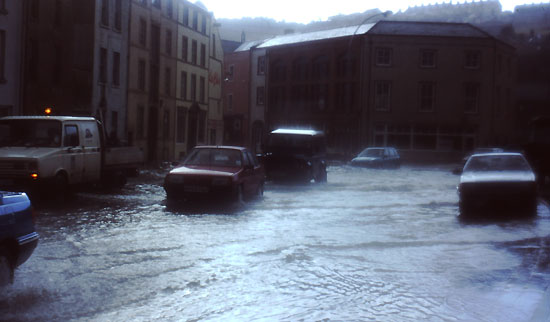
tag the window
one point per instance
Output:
(203, 55)
(141, 75)
(472, 59)
(194, 52)
(383, 57)
(183, 85)
(184, 48)
(140, 122)
(320, 68)
(261, 65)
(300, 69)
(202, 123)
(168, 43)
(2, 56)
(142, 32)
(167, 81)
(427, 58)
(118, 15)
(231, 72)
(202, 90)
(116, 68)
(195, 20)
(382, 95)
(426, 97)
(260, 95)
(345, 65)
(103, 65)
(169, 8)
(105, 12)
(471, 97)
(193, 87)
(180, 124)
(213, 45)
(186, 16)
(203, 24)
(229, 102)
(3, 10)
(71, 136)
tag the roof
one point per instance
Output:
(220, 147)
(248, 45)
(297, 132)
(56, 118)
(316, 35)
(422, 28)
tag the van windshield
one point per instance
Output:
(30, 133)
(290, 143)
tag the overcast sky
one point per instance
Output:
(305, 11)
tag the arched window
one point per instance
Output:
(278, 71)
(320, 67)
(299, 69)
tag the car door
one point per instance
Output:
(258, 172)
(73, 157)
(91, 151)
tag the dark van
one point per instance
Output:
(296, 155)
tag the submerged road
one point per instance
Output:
(384, 245)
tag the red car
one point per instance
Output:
(216, 172)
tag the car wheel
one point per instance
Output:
(61, 183)
(239, 195)
(321, 176)
(260, 191)
(6, 268)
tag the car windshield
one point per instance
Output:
(497, 163)
(214, 157)
(372, 153)
(30, 133)
(289, 142)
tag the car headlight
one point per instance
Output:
(221, 181)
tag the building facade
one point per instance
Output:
(75, 60)
(422, 87)
(11, 51)
(174, 99)
(437, 87)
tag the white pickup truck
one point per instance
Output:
(56, 152)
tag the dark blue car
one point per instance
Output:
(18, 239)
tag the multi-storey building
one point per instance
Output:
(11, 49)
(75, 60)
(174, 97)
(422, 87)
(437, 87)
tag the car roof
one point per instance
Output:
(229, 147)
(503, 154)
(57, 118)
(297, 132)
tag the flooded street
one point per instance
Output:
(384, 245)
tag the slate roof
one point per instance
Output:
(384, 27)
(422, 28)
(316, 35)
(246, 46)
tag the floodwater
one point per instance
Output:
(384, 245)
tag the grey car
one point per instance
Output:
(378, 157)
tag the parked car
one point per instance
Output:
(460, 167)
(381, 157)
(497, 179)
(216, 172)
(296, 155)
(18, 239)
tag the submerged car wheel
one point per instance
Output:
(239, 195)
(6, 267)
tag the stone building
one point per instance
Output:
(11, 51)
(75, 60)
(174, 97)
